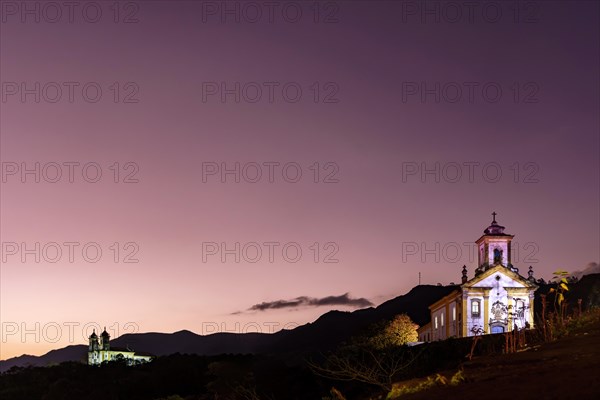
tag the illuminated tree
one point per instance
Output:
(398, 332)
(377, 358)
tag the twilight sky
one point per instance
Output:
(375, 137)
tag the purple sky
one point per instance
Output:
(377, 68)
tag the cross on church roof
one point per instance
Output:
(494, 215)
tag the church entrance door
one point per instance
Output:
(497, 329)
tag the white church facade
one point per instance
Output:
(99, 351)
(497, 299)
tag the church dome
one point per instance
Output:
(105, 334)
(494, 228)
(93, 335)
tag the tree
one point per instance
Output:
(400, 331)
(363, 363)
(377, 358)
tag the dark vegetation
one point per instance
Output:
(188, 376)
(349, 368)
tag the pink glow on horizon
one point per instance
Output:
(368, 134)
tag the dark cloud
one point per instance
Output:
(304, 301)
(591, 268)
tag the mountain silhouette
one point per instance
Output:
(328, 331)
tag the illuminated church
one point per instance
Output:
(497, 299)
(100, 351)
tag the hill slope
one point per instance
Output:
(323, 334)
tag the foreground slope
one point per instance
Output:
(566, 369)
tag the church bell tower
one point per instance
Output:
(105, 340)
(494, 246)
(94, 345)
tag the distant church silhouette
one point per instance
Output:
(100, 351)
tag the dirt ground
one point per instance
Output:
(566, 369)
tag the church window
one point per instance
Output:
(475, 308)
(453, 313)
(442, 318)
(436, 322)
(519, 308)
(497, 256)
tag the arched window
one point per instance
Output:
(497, 256)
(475, 308)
